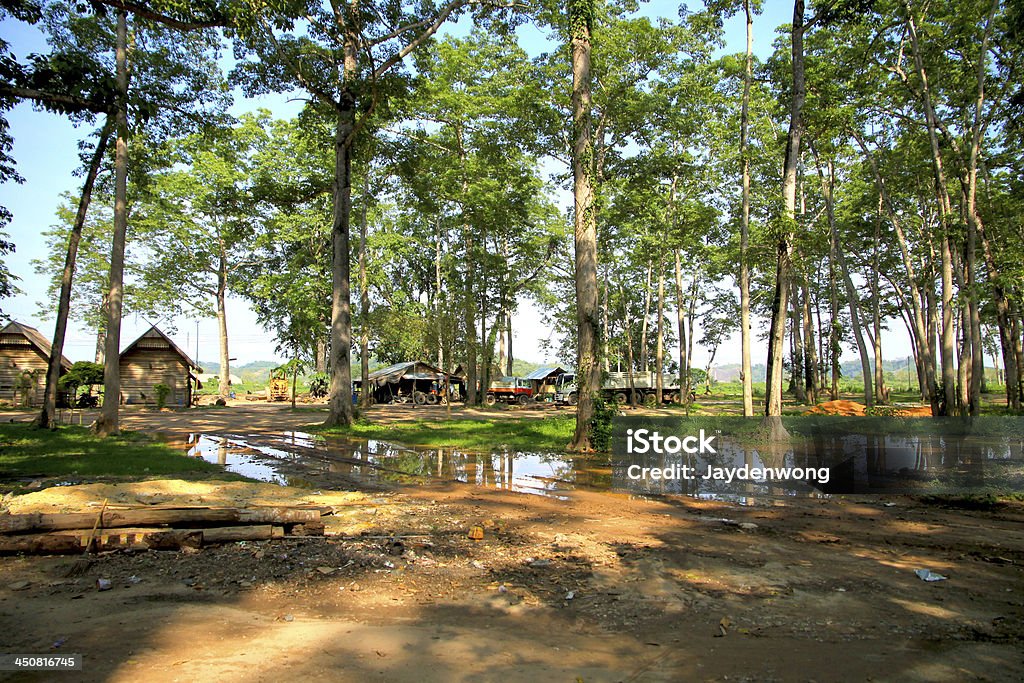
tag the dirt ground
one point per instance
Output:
(599, 587)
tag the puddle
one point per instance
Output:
(911, 464)
(301, 459)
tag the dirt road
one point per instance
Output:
(599, 587)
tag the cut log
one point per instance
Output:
(70, 542)
(13, 524)
(229, 534)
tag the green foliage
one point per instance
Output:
(601, 424)
(318, 384)
(82, 374)
(162, 390)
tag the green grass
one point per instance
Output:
(551, 433)
(75, 451)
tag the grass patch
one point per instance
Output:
(75, 451)
(549, 434)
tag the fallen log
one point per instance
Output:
(72, 542)
(37, 521)
(229, 534)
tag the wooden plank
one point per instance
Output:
(24, 523)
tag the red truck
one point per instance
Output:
(509, 390)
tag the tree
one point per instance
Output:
(196, 215)
(588, 378)
(348, 60)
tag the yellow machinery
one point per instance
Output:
(277, 389)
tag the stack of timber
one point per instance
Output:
(159, 528)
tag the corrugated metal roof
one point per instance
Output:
(545, 372)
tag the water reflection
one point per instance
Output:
(300, 457)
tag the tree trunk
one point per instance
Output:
(108, 422)
(629, 346)
(364, 301)
(46, 416)
(834, 341)
(295, 378)
(947, 348)
(777, 333)
(320, 361)
(798, 365)
(604, 324)
(508, 337)
(881, 396)
(745, 368)
(827, 175)
(811, 353)
(659, 358)
(923, 350)
(340, 398)
(645, 323)
(681, 324)
(224, 388)
(585, 227)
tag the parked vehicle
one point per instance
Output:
(509, 390)
(618, 385)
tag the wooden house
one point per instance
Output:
(24, 357)
(154, 359)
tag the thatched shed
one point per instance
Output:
(412, 381)
(154, 359)
(24, 358)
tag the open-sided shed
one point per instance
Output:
(154, 359)
(24, 358)
(543, 382)
(412, 381)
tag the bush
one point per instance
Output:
(162, 390)
(318, 384)
(601, 425)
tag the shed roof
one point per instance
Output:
(35, 338)
(545, 372)
(410, 369)
(154, 332)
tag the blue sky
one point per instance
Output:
(45, 147)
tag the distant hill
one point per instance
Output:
(731, 372)
(256, 372)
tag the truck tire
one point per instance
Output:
(419, 398)
(620, 398)
(523, 399)
(650, 400)
(490, 399)
(431, 399)
(671, 397)
(573, 399)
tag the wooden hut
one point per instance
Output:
(154, 359)
(24, 358)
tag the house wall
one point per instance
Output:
(16, 356)
(144, 367)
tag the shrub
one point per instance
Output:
(601, 425)
(162, 390)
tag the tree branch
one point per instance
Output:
(63, 102)
(152, 15)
